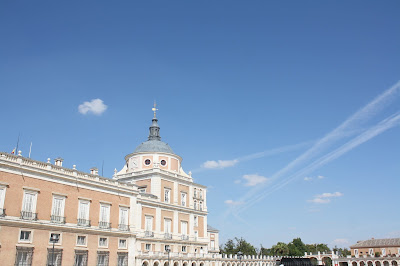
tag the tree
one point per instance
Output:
(236, 245)
(280, 249)
(297, 247)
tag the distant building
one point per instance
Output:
(385, 247)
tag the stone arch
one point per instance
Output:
(314, 261)
(156, 263)
(223, 264)
(370, 263)
(354, 263)
(326, 261)
(362, 263)
(185, 263)
(229, 264)
(233, 263)
(166, 263)
(193, 263)
(377, 263)
(394, 263)
(201, 263)
(385, 263)
(145, 263)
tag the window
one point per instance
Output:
(29, 205)
(384, 252)
(122, 259)
(195, 222)
(122, 243)
(2, 197)
(25, 236)
(167, 248)
(54, 259)
(163, 162)
(81, 241)
(184, 227)
(184, 249)
(123, 219)
(24, 256)
(196, 235)
(103, 242)
(212, 244)
(356, 252)
(102, 258)
(81, 257)
(167, 193)
(201, 205)
(57, 212)
(149, 223)
(104, 216)
(167, 226)
(83, 213)
(55, 237)
(148, 247)
(142, 190)
(195, 205)
(147, 162)
(398, 251)
(371, 251)
(183, 198)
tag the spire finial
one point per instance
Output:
(154, 109)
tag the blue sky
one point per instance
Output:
(287, 110)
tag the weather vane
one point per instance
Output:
(154, 109)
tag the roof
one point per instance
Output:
(210, 228)
(154, 146)
(386, 242)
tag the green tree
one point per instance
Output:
(236, 245)
(280, 249)
(297, 247)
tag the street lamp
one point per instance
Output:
(168, 249)
(54, 239)
(240, 255)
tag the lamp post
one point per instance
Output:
(54, 239)
(168, 249)
(240, 255)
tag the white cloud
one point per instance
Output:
(320, 177)
(96, 106)
(340, 242)
(325, 197)
(254, 180)
(219, 164)
(231, 202)
(307, 178)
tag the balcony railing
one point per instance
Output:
(104, 225)
(185, 237)
(28, 215)
(83, 222)
(149, 234)
(2, 212)
(57, 219)
(168, 236)
(123, 227)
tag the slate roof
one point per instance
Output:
(154, 146)
(211, 229)
(386, 242)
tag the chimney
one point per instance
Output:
(94, 171)
(58, 161)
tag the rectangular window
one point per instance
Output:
(81, 257)
(55, 258)
(371, 251)
(57, 212)
(122, 259)
(142, 190)
(81, 241)
(167, 226)
(167, 248)
(102, 258)
(24, 256)
(384, 252)
(149, 223)
(148, 247)
(103, 242)
(104, 216)
(212, 244)
(122, 243)
(83, 213)
(184, 228)
(123, 219)
(201, 205)
(183, 198)
(356, 252)
(167, 193)
(25, 236)
(195, 205)
(196, 235)
(2, 198)
(29, 205)
(195, 222)
(184, 249)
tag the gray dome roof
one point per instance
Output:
(154, 146)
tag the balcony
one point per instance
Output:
(123, 227)
(2, 212)
(184, 237)
(168, 236)
(83, 222)
(148, 234)
(104, 225)
(57, 219)
(28, 215)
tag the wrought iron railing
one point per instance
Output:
(104, 225)
(149, 233)
(83, 222)
(167, 236)
(2, 212)
(123, 227)
(185, 237)
(57, 219)
(28, 215)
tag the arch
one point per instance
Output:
(223, 264)
(385, 263)
(145, 263)
(377, 263)
(362, 263)
(394, 263)
(354, 263)
(176, 263)
(233, 263)
(193, 263)
(229, 264)
(156, 263)
(327, 261)
(201, 263)
(314, 261)
(185, 263)
(370, 263)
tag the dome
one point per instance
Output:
(154, 146)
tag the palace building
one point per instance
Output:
(149, 213)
